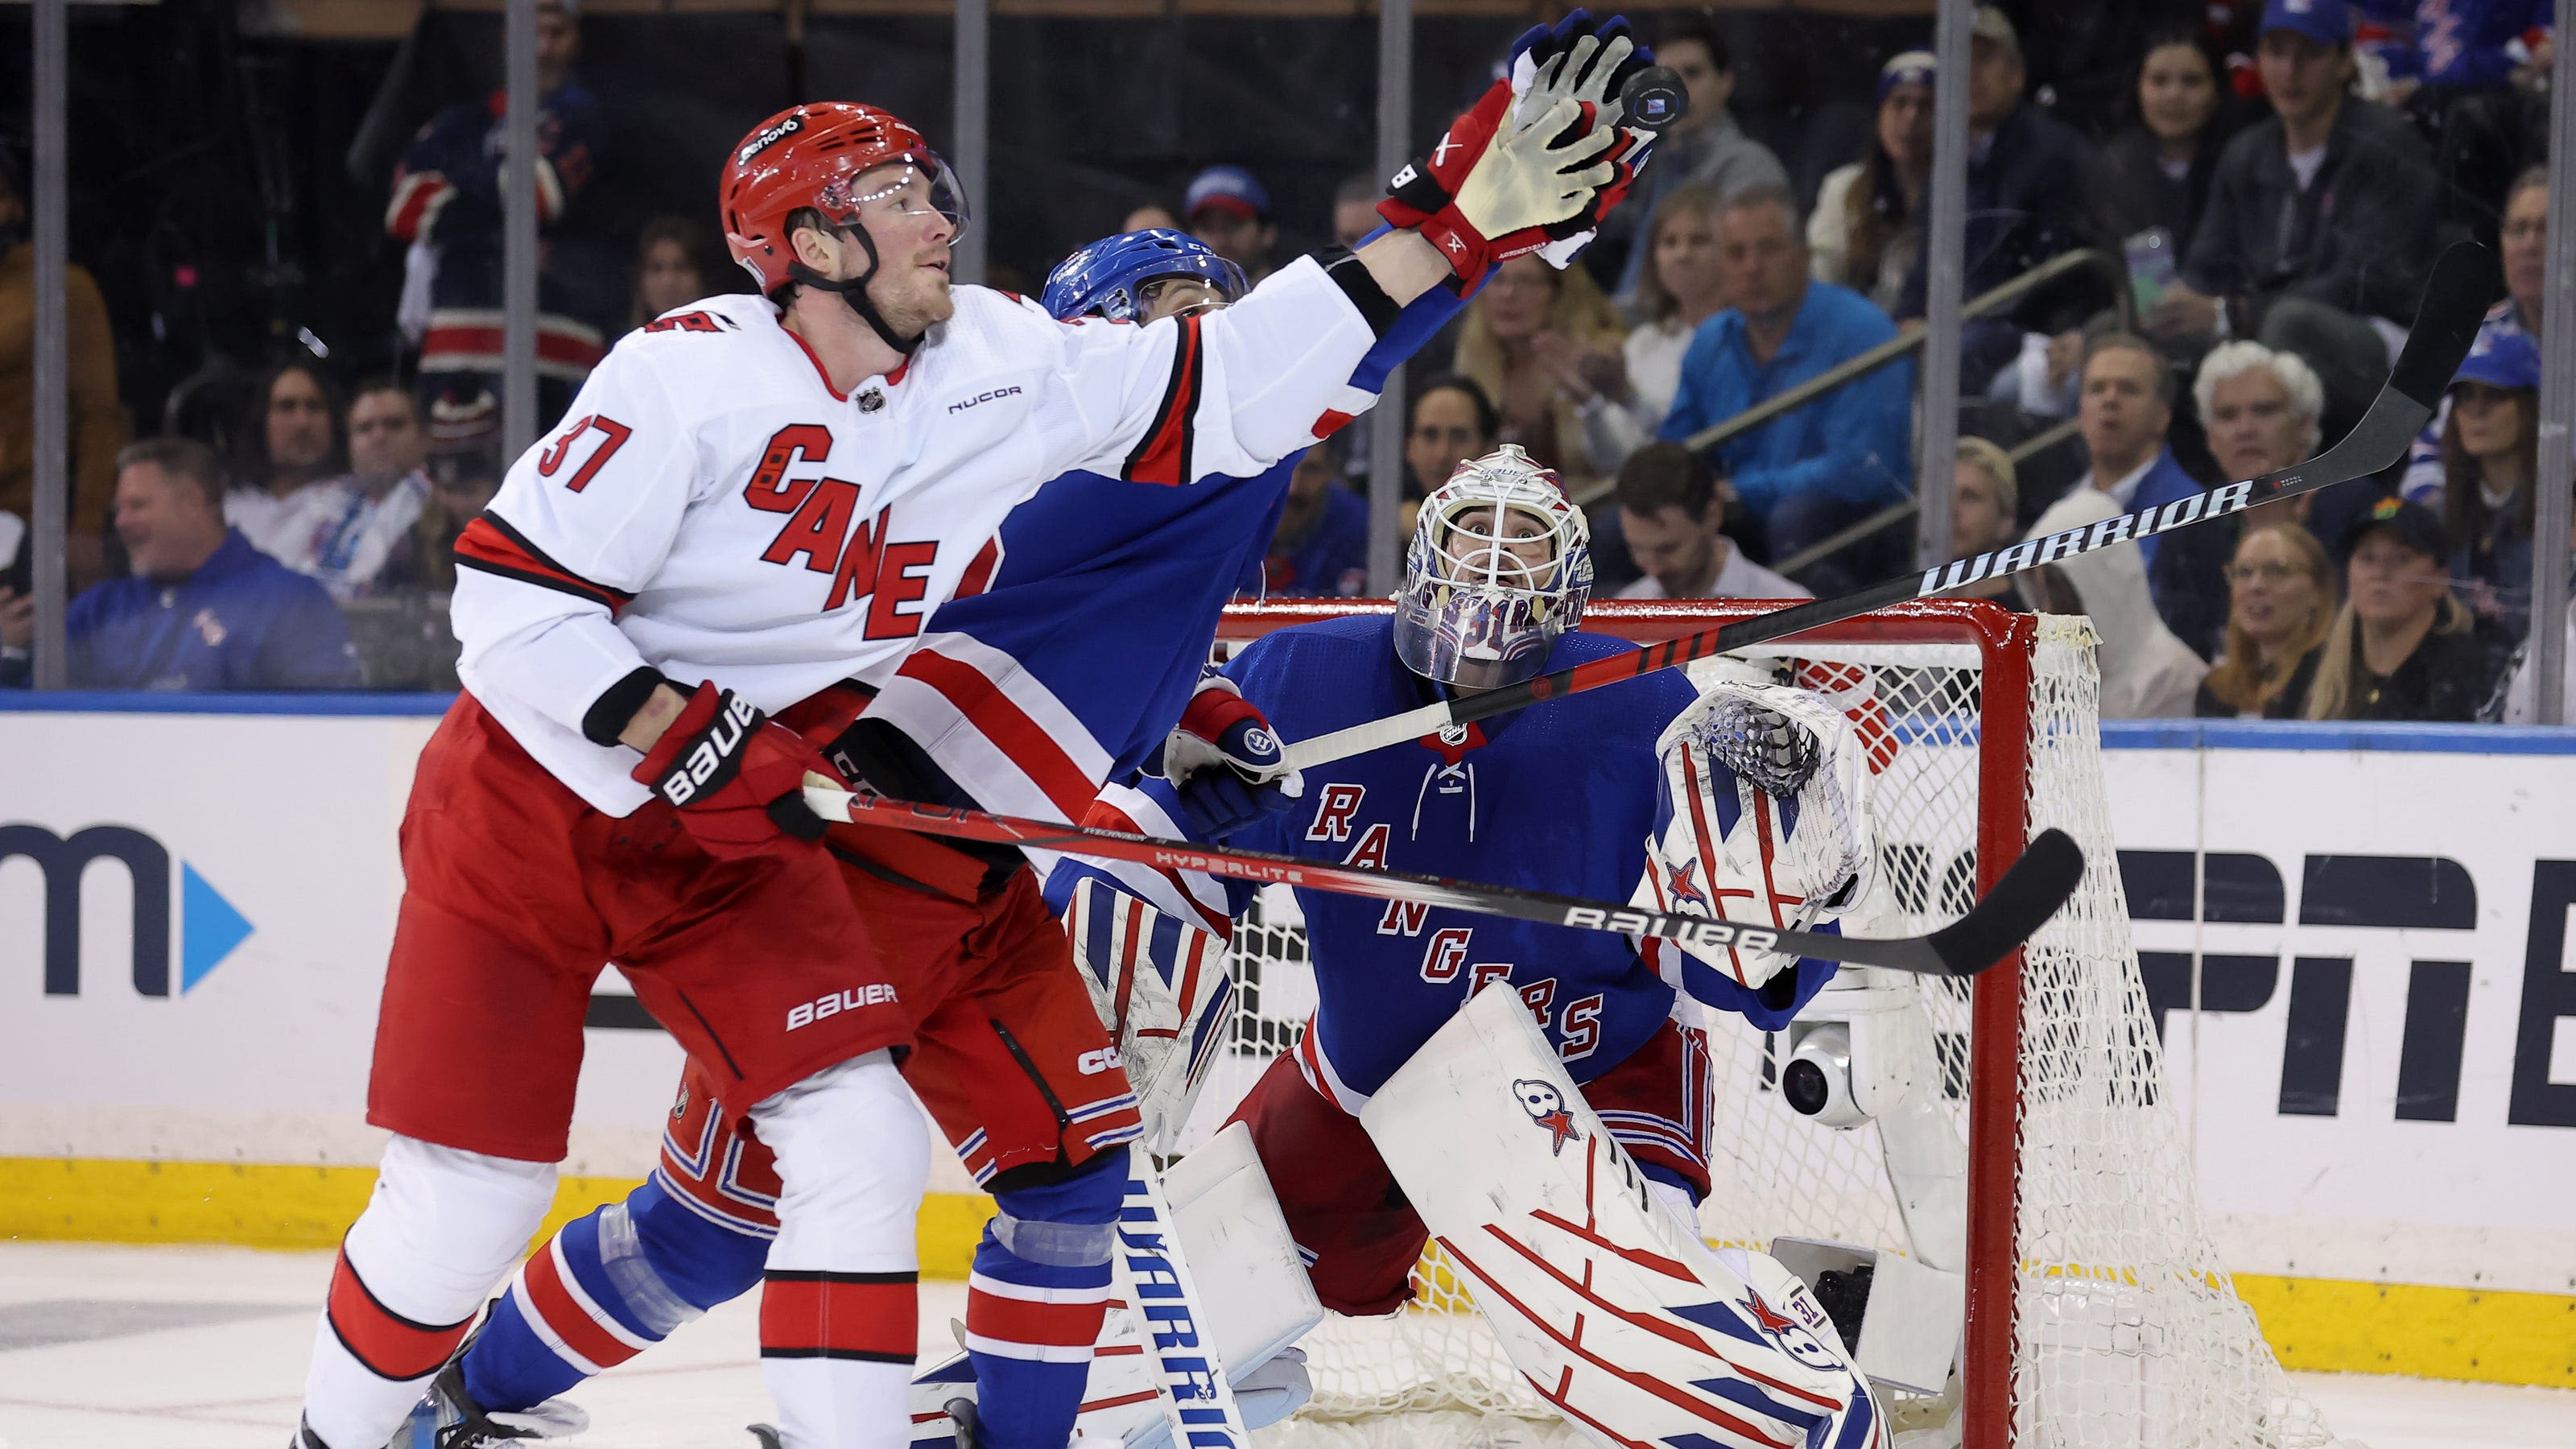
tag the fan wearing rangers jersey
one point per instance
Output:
(1567, 795)
(753, 502)
(1095, 605)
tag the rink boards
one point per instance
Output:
(2380, 1072)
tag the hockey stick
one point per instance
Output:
(2020, 903)
(2446, 322)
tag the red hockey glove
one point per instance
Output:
(736, 777)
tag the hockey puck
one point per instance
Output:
(1653, 98)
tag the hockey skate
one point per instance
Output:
(446, 1418)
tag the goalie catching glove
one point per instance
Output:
(1513, 169)
(1766, 820)
(735, 776)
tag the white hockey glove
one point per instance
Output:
(1161, 987)
(1766, 819)
(1496, 183)
(1589, 64)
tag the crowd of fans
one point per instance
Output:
(2265, 207)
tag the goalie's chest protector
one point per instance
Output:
(1559, 797)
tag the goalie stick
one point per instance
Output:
(2020, 903)
(2446, 322)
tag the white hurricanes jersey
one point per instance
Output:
(711, 508)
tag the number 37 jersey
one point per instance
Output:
(713, 509)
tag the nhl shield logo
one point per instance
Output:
(871, 400)
(1546, 1107)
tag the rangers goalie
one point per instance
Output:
(1551, 1133)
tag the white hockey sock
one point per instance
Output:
(441, 1231)
(838, 1311)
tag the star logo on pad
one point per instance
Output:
(1677, 883)
(1546, 1107)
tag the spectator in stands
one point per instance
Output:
(1228, 208)
(2260, 409)
(677, 262)
(2281, 601)
(2147, 673)
(1705, 147)
(295, 438)
(203, 610)
(2490, 463)
(97, 418)
(446, 206)
(1152, 216)
(2317, 219)
(1355, 207)
(2525, 252)
(2401, 647)
(1985, 504)
(1624, 396)
(1816, 468)
(2028, 184)
(2155, 173)
(1321, 548)
(464, 468)
(2124, 406)
(1453, 420)
(1867, 227)
(356, 533)
(1672, 520)
(1526, 333)
(2521, 702)
(2473, 76)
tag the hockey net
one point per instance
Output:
(2099, 1315)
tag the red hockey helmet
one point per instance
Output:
(810, 156)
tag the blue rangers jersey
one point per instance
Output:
(1079, 632)
(1558, 797)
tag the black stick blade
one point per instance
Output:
(2030, 893)
(2446, 322)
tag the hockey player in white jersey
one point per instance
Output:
(752, 501)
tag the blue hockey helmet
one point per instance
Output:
(1109, 276)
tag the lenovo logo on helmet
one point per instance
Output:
(712, 754)
(762, 140)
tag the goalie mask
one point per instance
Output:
(1500, 564)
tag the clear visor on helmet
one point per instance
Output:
(1212, 280)
(913, 184)
(1500, 564)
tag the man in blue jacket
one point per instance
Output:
(2124, 406)
(1817, 468)
(203, 610)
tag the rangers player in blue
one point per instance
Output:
(1747, 799)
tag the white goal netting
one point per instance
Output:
(2100, 1317)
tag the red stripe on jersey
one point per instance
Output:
(493, 547)
(999, 719)
(979, 570)
(566, 1315)
(388, 1344)
(1163, 454)
(553, 345)
(416, 193)
(1333, 421)
(1017, 1320)
(810, 1314)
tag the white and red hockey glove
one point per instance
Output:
(736, 777)
(1225, 761)
(1590, 63)
(1500, 178)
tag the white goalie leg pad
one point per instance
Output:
(1724, 846)
(1253, 1295)
(1162, 989)
(1616, 1313)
